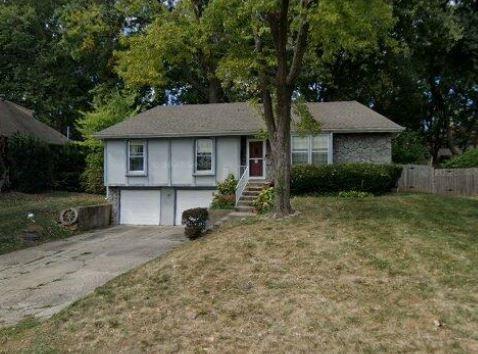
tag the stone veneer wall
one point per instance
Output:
(114, 199)
(365, 148)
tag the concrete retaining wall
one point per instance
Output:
(92, 217)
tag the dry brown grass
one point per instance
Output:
(370, 275)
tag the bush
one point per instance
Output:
(31, 164)
(332, 179)
(468, 159)
(69, 165)
(35, 166)
(195, 221)
(265, 201)
(228, 187)
(408, 147)
(92, 178)
(226, 198)
(223, 201)
(354, 195)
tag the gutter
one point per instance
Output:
(242, 133)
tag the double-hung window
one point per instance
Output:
(300, 150)
(204, 156)
(319, 149)
(137, 157)
(310, 150)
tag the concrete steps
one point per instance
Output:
(252, 190)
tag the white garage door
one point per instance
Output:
(191, 199)
(140, 207)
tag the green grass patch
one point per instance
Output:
(14, 208)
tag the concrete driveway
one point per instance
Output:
(42, 280)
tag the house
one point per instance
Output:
(171, 158)
(15, 119)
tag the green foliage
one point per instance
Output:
(35, 69)
(223, 201)
(195, 221)
(306, 125)
(30, 163)
(106, 112)
(330, 179)
(354, 195)
(226, 198)
(92, 178)
(228, 186)
(69, 164)
(468, 159)
(265, 200)
(36, 166)
(52, 230)
(355, 26)
(179, 51)
(408, 147)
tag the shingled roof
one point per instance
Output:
(17, 119)
(242, 119)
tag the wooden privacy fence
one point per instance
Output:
(457, 181)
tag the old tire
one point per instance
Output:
(69, 216)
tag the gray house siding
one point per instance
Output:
(171, 163)
(364, 148)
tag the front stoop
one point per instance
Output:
(245, 206)
(252, 190)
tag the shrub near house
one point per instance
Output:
(36, 166)
(226, 197)
(332, 179)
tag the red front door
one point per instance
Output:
(256, 159)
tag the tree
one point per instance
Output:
(35, 71)
(408, 147)
(272, 41)
(178, 53)
(106, 112)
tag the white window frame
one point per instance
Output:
(210, 172)
(145, 158)
(309, 142)
(307, 138)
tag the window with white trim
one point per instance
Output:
(204, 156)
(319, 150)
(310, 150)
(136, 157)
(300, 150)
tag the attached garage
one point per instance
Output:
(187, 199)
(140, 207)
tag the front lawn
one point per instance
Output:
(14, 208)
(386, 274)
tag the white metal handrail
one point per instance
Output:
(241, 185)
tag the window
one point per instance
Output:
(320, 148)
(204, 156)
(310, 150)
(136, 157)
(300, 150)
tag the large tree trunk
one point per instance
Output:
(215, 93)
(281, 153)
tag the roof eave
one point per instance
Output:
(236, 133)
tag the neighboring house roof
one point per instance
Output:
(242, 119)
(17, 119)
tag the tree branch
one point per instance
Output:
(300, 45)
(264, 86)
